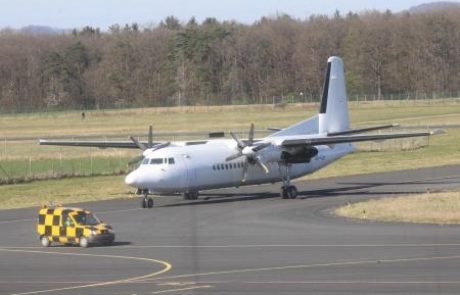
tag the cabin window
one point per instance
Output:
(222, 167)
(171, 161)
(156, 161)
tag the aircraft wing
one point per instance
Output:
(362, 130)
(100, 144)
(354, 138)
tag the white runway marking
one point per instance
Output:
(259, 246)
(308, 266)
(183, 289)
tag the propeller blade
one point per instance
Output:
(150, 141)
(262, 165)
(241, 144)
(233, 157)
(251, 134)
(245, 172)
(136, 159)
(160, 146)
(261, 146)
(139, 144)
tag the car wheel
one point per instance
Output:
(83, 242)
(45, 241)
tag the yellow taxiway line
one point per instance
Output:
(167, 267)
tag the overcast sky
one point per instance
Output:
(103, 13)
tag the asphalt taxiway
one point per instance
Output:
(246, 241)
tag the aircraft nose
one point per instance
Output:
(131, 179)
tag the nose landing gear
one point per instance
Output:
(147, 202)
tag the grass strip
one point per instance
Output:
(439, 208)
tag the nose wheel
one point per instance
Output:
(147, 202)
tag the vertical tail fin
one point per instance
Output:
(333, 113)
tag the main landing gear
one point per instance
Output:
(191, 195)
(288, 191)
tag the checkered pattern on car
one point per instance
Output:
(51, 224)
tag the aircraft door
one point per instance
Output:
(189, 176)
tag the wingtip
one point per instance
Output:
(437, 132)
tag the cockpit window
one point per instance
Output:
(145, 161)
(156, 161)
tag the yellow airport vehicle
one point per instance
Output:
(72, 226)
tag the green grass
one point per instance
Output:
(217, 118)
(441, 208)
(442, 150)
(63, 191)
(14, 171)
(14, 155)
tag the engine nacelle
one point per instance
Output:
(270, 154)
(299, 155)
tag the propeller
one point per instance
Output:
(144, 147)
(249, 151)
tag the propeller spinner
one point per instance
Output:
(249, 151)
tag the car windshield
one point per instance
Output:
(86, 219)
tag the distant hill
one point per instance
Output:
(43, 30)
(434, 6)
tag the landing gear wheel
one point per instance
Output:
(288, 192)
(195, 195)
(190, 195)
(149, 203)
(45, 241)
(83, 242)
(284, 193)
(292, 192)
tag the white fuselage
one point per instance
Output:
(203, 166)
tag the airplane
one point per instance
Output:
(188, 167)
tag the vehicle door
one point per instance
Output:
(65, 226)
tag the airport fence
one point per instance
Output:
(29, 164)
(302, 97)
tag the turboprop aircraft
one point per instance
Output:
(188, 167)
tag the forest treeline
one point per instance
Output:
(213, 62)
